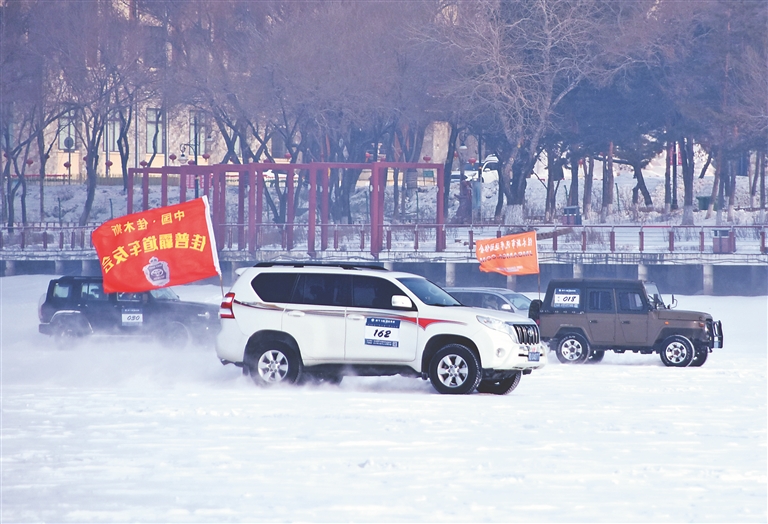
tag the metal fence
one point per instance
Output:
(338, 239)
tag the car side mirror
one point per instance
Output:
(401, 301)
(506, 307)
(534, 309)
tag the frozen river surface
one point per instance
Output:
(126, 431)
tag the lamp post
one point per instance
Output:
(462, 161)
(69, 145)
(194, 148)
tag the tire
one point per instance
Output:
(676, 351)
(699, 356)
(595, 357)
(68, 335)
(500, 387)
(176, 335)
(573, 348)
(454, 370)
(274, 363)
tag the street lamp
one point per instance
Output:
(69, 146)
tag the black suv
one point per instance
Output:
(582, 318)
(76, 307)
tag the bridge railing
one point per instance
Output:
(339, 239)
(44, 236)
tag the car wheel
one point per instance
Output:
(572, 349)
(175, 335)
(500, 387)
(676, 351)
(67, 335)
(699, 356)
(274, 363)
(454, 370)
(595, 357)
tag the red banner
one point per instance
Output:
(509, 255)
(161, 247)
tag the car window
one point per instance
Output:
(654, 297)
(129, 297)
(322, 290)
(490, 301)
(372, 292)
(518, 301)
(93, 291)
(630, 301)
(274, 287)
(164, 294)
(429, 293)
(62, 290)
(600, 301)
(466, 299)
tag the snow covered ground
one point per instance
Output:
(125, 431)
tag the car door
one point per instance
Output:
(315, 316)
(601, 317)
(100, 308)
(375, 330)
(632, 318)
(132, 310)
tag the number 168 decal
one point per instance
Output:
(382, 332)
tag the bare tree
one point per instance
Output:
(522, 58)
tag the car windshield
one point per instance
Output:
(429, 293)
(654, 297)
(518, 301)
(164, 294)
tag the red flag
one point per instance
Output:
(161, 247)
(509, 255)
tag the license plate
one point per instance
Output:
(132, 317)
(533, 356)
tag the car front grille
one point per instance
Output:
(527, 333)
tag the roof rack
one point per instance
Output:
(343, 265)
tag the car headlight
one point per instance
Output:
(495, 324)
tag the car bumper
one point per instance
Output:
(715, 330)
(230, 343)
(45, 329)
(507, 354)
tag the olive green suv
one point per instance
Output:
(583, 318)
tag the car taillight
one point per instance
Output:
(225, 310)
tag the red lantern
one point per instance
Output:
(472, 160)
(367, 156)
(455, 154)
(67, 165)
(143, 163)
(288, 156)
(427, 158)
(191, 163)
(206, 156)
(85, 158)
(30, 161)
(172, 157)
(108, 163)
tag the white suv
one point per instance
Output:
(294, 322)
